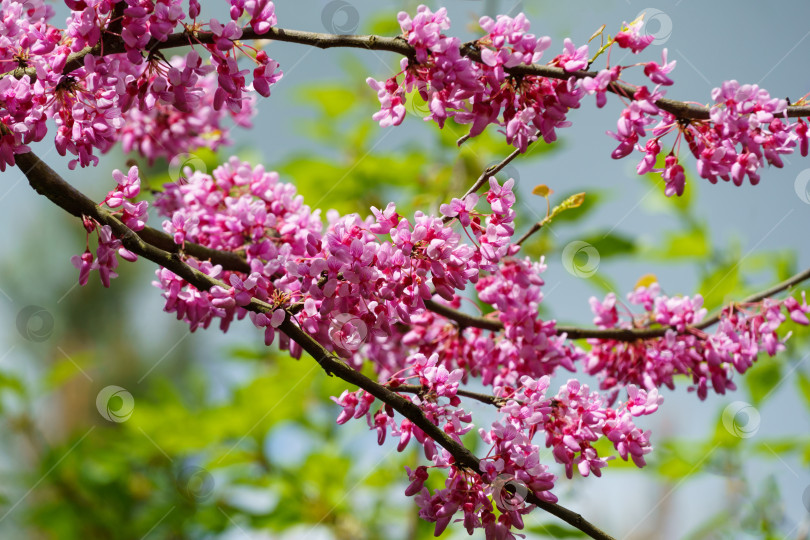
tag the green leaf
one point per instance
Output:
(247, 353)
(65, 368)
(719, 286)
(10, 382)
(575, 213)
(692, 243)
(334, 100)
(384, 25)
(676, 459)
(775, 448)
(611, 244)
(554, 530)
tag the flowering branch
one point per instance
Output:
(616, 334)
(76, 204)
(113, 45)
(48, 183)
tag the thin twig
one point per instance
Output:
(534, 228)
(483, 398)
(492, 171)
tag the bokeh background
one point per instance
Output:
(119, 423)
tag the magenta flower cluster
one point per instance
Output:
(746, 129)
(709, 360)
(132, 214)
(360, 287)
(482, 93)
(157, 107)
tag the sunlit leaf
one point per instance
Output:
(611, 244)
(720, 286)
(597, 33)
(646, 280)
(555, 530)
(334, 100)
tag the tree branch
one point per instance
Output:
(492, 171)
(483, 398)
(617, 334)
(111, 44)
(48, 183)
(77, 204)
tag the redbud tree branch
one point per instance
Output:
(112, 44)
(617, 334)
(47, 182)
(483, 398)
(72, 202)
(492, 171)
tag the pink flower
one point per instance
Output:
(392, 99)
(226, 34)
(573, 59)
(630, 38)
(461, 209)
(347, 400)
(265, 75)
(606, 314)
(674, 176)
(269, 324)
(85, 264)
(424, 30)
(599, 84)
(262, 15)
(658, 73)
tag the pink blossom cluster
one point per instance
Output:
(746, 129)
(530, 345)
(526, 107)
(374, 275)
(481, 93)
(527, 345)
(708, 359)
(359, 287)
(362, 286)
(132, 214)
(177, 113)
(357, 276)
(158, 107)
(572, 421)
(236, 208)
